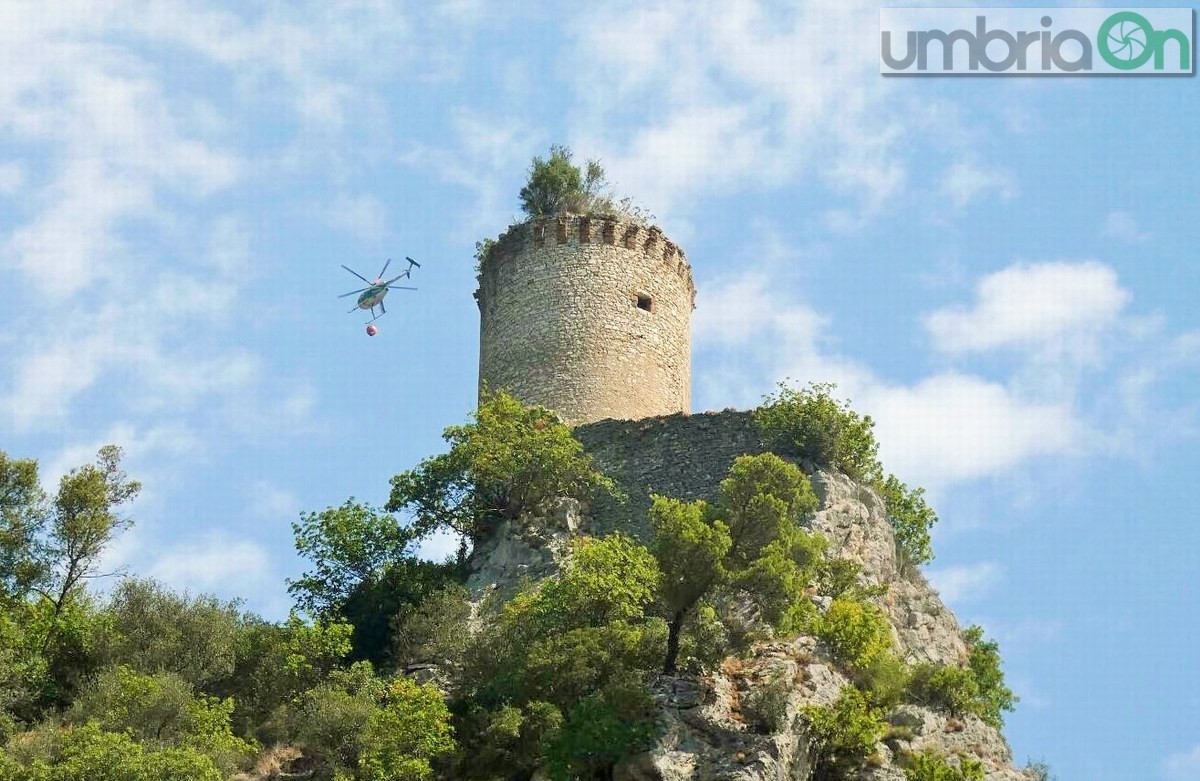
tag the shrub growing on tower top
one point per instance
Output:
(557, 185)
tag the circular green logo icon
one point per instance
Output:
(1126, 40)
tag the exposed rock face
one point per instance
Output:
(719, 739)
(712, 729)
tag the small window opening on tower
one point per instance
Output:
(645, 302)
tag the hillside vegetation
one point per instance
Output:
(558, 678)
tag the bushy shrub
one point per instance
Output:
(977, 688)
(89, 753)
(409, 730)
(884, 681)
(842, 736)
(944, 687)
(510, 459)
(705, 640)
(557, 185)
(911, 519)
(856, 632)
(765, 708)
(161, 711)
(931, 766)
(154, 630)
(436, 630)
(984, 663)
(810, 424)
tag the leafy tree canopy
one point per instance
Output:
(509, 459)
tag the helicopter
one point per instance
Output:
(373, 295)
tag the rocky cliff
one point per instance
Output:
(710, 730)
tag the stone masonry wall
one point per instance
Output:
(560, 323)
(682, 456)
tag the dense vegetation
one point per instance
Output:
(145, 683)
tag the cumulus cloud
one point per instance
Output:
(965, 582)
(1031, 305)
(215, 563)
(941, 429)
(955, 427)
(728, 112)
(1183, 766)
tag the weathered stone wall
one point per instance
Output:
(682, 456)
(560, 323)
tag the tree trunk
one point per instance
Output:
(676, 627)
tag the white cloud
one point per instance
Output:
(1123, 227)
(965, 582)
(215, 563)
(942, 429)
(966, 181)
(1031, 304)
(1183, 766)
(956, 427)
(728, 112)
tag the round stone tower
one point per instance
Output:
(588, 316)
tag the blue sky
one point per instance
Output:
(1001, 271)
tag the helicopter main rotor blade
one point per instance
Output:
(352, 292)
(355, 273)
(385, 265)
(400, 287)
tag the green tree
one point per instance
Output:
(752, 541)
(810, 424)
(510, 459)
(984, 662)
(762, 499)
(154, 630)
(366, 571)
(911, 519)
(83, 521)
(348, 546)
(410, 729)
(23, 513)
(49, 547)
(691, 550)
(558, 185)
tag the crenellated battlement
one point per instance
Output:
(582, 229)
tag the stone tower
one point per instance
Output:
(588, 316)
